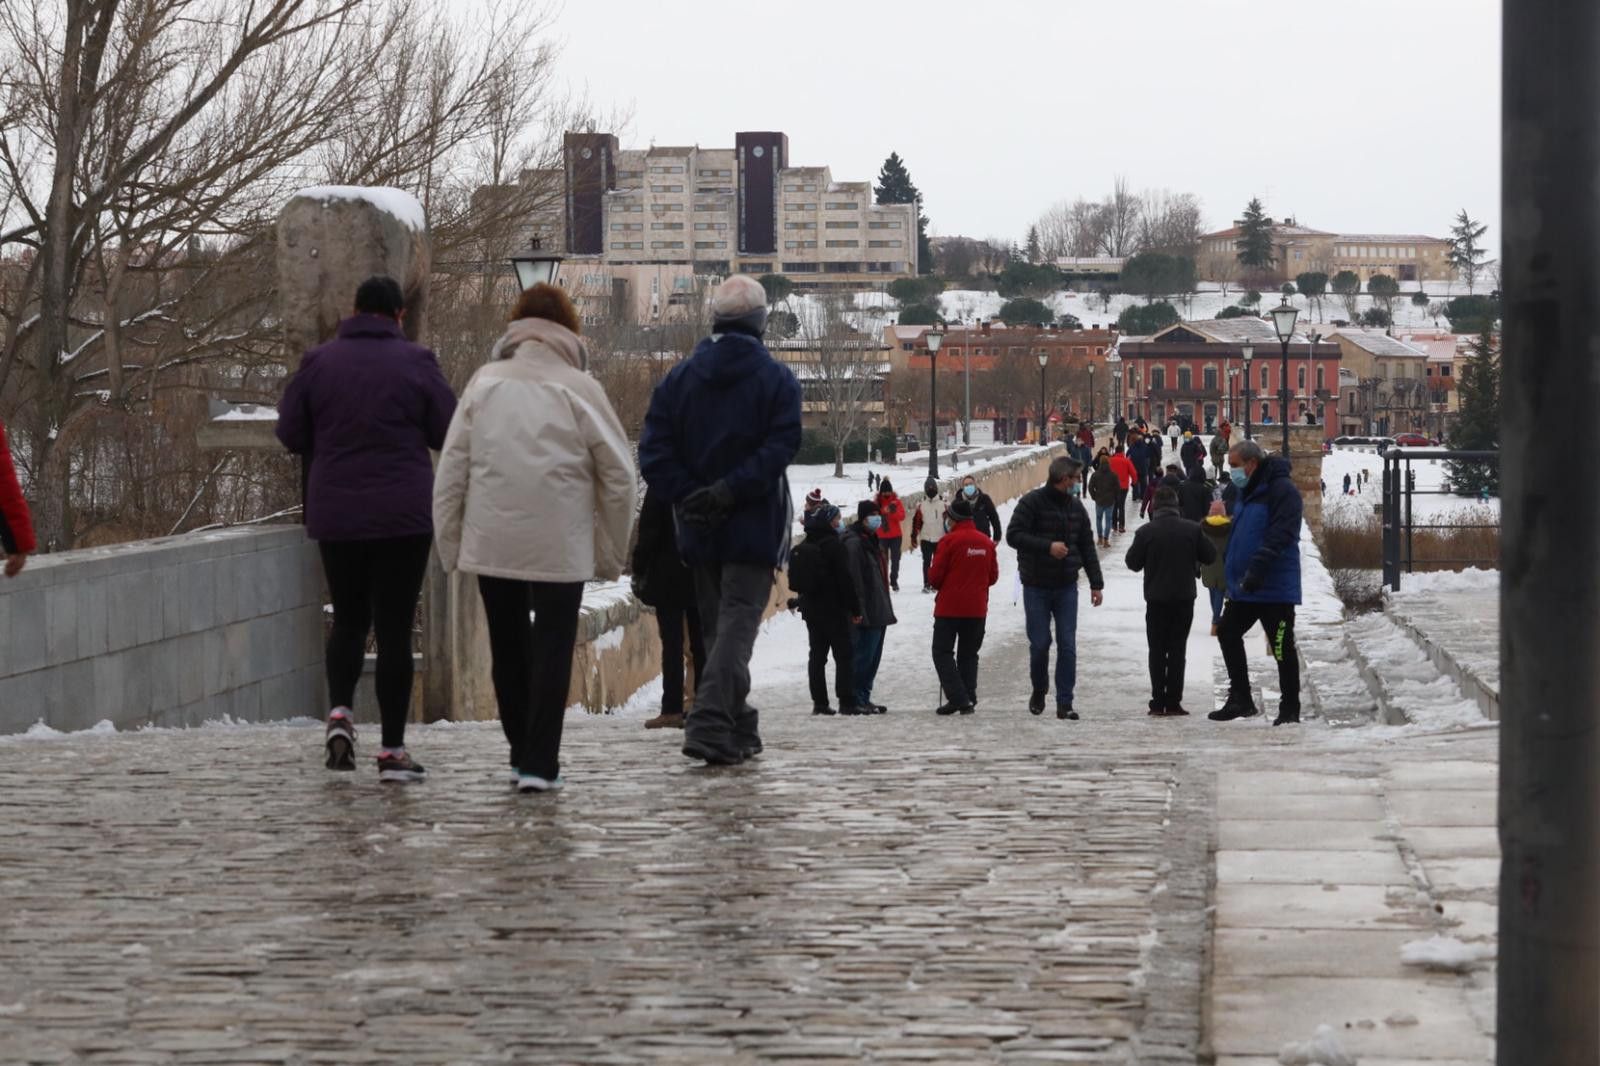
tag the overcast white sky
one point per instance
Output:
(1359, 116)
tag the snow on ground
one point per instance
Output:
(1446, 954)
(1339, 509)
(1428, 584)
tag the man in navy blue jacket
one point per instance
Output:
(1263, 575)
(722, 429)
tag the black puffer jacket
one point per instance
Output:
(1044, 517)
(1170, 549)
(658, 572)
(838, 591)
(869, 571)
(1194, 496)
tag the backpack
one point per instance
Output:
(806, 568)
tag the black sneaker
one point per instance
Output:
(1287, 718)
(947, 710)
(1177, 711)
(397, 767)
(1236, 707)
(1036, 702)
(696, 748)
(876, 708)
(1066, 713)
(854, 710)
(752, 747)
(823, 708)
(969, 709)
(1156, 710)
(340, 740)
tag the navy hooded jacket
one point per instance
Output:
(729, 413)
(1266, 537)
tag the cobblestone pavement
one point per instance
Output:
(999, 888)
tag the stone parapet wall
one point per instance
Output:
(168, 632)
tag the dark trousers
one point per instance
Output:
(1166, 629)
(1119, 516)
(671, 622)
(733, 597)
(892, 546)
(956, 643)
(928, 548)
(374, 585)
(1278, 621)
(531, 664)
(831, 631)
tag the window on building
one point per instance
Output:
(842, 205)
(799, 244)
(799, 207)
(1322, 378)
(1158, 377)
(1208, 378)
(665, 208)
(666, 188)
(713, 190)
(842, 225)
(1301, 384)
(705, 172)
(710, 244)
(666, 244)
(1444, 371)
(1264, 372)
(843, 244)
(883, 225)
(883, 244)
(1185, 379)
(630, 175)
(799, 225)
(666, 225)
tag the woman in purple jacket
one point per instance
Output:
(364, 409)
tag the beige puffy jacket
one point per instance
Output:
(536, 480)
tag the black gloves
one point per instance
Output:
(707, 508)
(1251, 582)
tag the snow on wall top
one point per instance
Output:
(394, 202)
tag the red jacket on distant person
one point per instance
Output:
(1123, 467)
(16, 526)
(965, 565)
(893, 513)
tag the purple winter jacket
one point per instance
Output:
(365, 408)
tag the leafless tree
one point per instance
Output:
(1120, 215)
(841, 372)
(1169, 222)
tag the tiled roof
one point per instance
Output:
(1390, 238)
(1378, 343)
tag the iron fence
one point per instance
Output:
(1399, 491)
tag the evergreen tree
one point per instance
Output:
(1152, 318)
(1255, 237)
(1034, 250)
(1383, 289)
(1477, 425)
(1026, 311)
(778, 287)
(1347, 286)
(1466, 254)
(1313, 285)
(895, 187)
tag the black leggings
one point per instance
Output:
(374, 585)
(532, 664)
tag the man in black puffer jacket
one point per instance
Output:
(1194, 496)
(1051, 533)
(1169, 549)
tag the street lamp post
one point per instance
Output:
(1091, 397)
(1044, 361)
(1246, 351)
(966, 378)
(536, 265)
(1283, 317)
(1114, 408)
(933, 338)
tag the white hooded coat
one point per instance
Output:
(536, 479)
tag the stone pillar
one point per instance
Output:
(1305, 459)
(330, 239)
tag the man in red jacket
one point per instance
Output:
(964, 567)
(16, 527)
(1123, 467)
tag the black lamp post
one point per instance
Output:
(1044, 361)
(536, 265)
(1246, 351)
(1091, 397)
(1283, 317)
(933, 338)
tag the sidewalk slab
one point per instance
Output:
(1290, 807)
(1270, 835)
(1451, 774)
(1318, 907)
(1290, 782)
(1312, 867)
(1446, 808)
(1311, 953)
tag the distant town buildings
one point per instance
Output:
(1298, 249)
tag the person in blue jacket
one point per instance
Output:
(1262, 570)
(722, 428)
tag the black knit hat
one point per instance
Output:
(960, 509)
(866, 508)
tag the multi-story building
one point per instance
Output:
(719, 211)
(1297, 249)
(1195, 371)
(1392, 393)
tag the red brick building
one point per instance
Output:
(1195, 370)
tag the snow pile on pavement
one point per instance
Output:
(1446, 954)
(1471, 580)
(1323, 1049)
(1412, 683)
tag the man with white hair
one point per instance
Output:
(722, 428)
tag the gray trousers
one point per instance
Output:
(733, 597)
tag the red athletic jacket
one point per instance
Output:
(893, 513)
(1123, 467)
(964, 566)
(16, 528)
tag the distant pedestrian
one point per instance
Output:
(363, 411)
(1104, 490)
(1347, 484)
(814, 500)
(1194, 495)
(1051, 534)
(1263, 575)
(927, 527)
(1126, 473)
(872, 481)
(869, 569)
(825, 589)
(984, 513)
(892, 531)
(16, 524)
(1173, 432)
(964, 569)
(1218, 527)
(720, 433)
(1218, 452)
(1169, 550)
(1120, 430)
(663, 583)
(535, 448)
(1192, 454)
(1173, 478)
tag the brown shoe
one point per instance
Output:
(1214, 628)
(665, 721)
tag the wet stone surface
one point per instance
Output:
(894, 889)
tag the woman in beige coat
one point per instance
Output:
(535, 495)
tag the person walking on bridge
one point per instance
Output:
(965, 567)
(363, 411)
(984, 513)
(16, 524)
(1168, 550)
(535, 497)
(722, 428)
(1054, 540)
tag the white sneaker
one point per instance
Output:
(535, 783)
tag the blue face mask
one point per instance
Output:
(969, 491)
(1077, 489)
(838, 524)
(874, 522)
(1239, 476)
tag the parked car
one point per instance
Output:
(907, 443)
(1413, 440)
